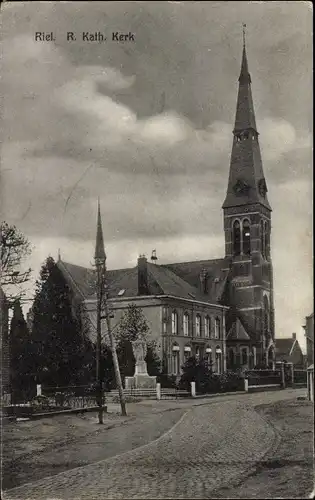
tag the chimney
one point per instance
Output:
(204, 280)
(294, 336)
(143, 288)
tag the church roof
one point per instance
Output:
(180, 280)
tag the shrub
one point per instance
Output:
(167, 381)
(40, 402)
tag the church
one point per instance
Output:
(219, 309)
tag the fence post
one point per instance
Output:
(246, 384)
(38, 390)
(158, 391)
(193, 389)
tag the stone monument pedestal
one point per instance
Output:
(141, 378)
(140, 382)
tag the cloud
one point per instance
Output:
(148, 127)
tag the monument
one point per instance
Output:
(141, 378)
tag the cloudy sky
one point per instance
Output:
(147, 127)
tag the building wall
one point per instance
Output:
(309, 333)
(158, 313)
(296, 357)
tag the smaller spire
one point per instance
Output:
(59, 254)
(100, 256)
(244, 75)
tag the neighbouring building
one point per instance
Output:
(5, 354)
(309, 334)
(289, 350)
(222, 308)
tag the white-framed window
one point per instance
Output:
(207, 326)
(175, 359)
(174, 323)
(186, 324)
(218, 359)
(208, 355)
(198, 325)
(187, 352)
(217, 328)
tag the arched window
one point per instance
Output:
(198, 325)
(207, 326)
(186, 324)
(217, 328)
(236, 238)
(208, 356)
(254, 352)
(262, 238)
(175, 359)
(244, 356)
(246, 237)
(187, 352)
(218, 359)
(174, 323)
(197, 352)
(231, 358)
(266, 318)
(267, 239)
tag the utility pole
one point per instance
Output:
(102, 304)
(99, 384)
(114, 352)
(100, 259)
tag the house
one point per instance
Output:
(222, 308)
(5, 356)
(289, 350)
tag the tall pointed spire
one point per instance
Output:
(100, 256)
(246, 180)
(244, 75)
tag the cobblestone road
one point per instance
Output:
(215, 443)
(210, 446)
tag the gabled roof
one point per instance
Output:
(284, 346)
(237, 331)
(217, 271)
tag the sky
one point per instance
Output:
(146, 126)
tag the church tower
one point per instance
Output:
(247, 226)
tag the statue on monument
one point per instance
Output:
(139, 348)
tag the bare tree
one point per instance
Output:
(14, 249)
